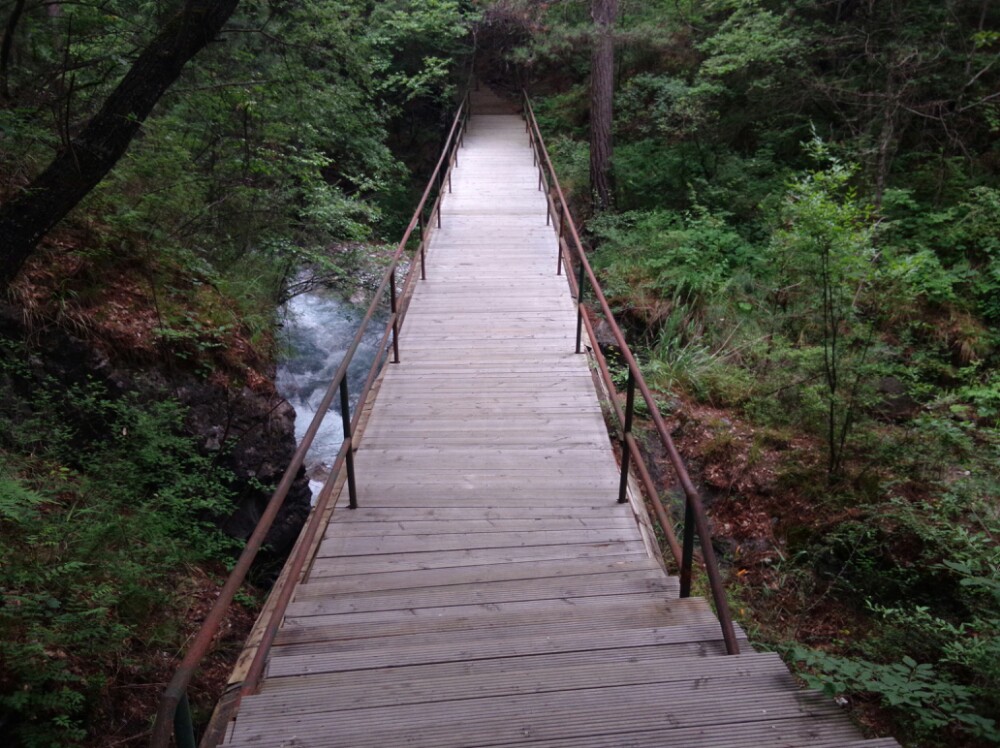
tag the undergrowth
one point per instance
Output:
(106, 510)
(856, 346)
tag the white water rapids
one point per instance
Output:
(319, 327)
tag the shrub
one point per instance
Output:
(105, 504)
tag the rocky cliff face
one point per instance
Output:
(254, 434)
(251, 431)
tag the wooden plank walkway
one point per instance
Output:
(489, 590)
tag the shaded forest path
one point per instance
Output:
(489, 590)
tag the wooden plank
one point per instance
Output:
(465, 557)
(701, 640)
(561, 714)
(312, 599)
(506, 439)
(554, 460)
(487, 456)
(382, 424)
(496, 407)
(488, 512)
(663, 655)
(495, 415)
(466, 526)
(530, 478)
(339, 545)
(490, 590)
(428, 578)
(430, 684)
(526, 379)
(793, 732)
(461, 495)
(656, 664)
(526, 487)
(476, 622)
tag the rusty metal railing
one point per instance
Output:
(173, 714)
(568, 250)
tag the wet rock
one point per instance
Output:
(255, 436)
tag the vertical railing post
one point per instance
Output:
(559, 238)
(579, 307)
(687, 558)
(626, 430)
(395, 316)
(345, 412)
(423, 242)
(440, 198)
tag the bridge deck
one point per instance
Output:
(490, 590)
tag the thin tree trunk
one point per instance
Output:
(602, 91)
(7, 44)
(883, 156)
(78, 168)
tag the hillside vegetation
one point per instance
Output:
(805, 245)
(137, 345)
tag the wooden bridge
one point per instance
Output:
(489, 590)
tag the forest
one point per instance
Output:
(793, 206)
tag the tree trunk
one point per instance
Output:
(7, 44)
(602, 90)
(78, 168)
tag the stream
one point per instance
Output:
(319, 327)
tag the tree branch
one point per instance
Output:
(87, 159)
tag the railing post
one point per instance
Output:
(579, 306)
(687, 559)
(395, 316)
(559, 238)
(423, 241)
(626, 430)
(345, 412)
(440, 199)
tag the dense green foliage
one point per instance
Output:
(273, 147)
(104, 504)
(809, 239)
(287, 142)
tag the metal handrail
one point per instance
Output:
(173, 713)
(695, 517)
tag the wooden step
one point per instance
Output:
(334, 655)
